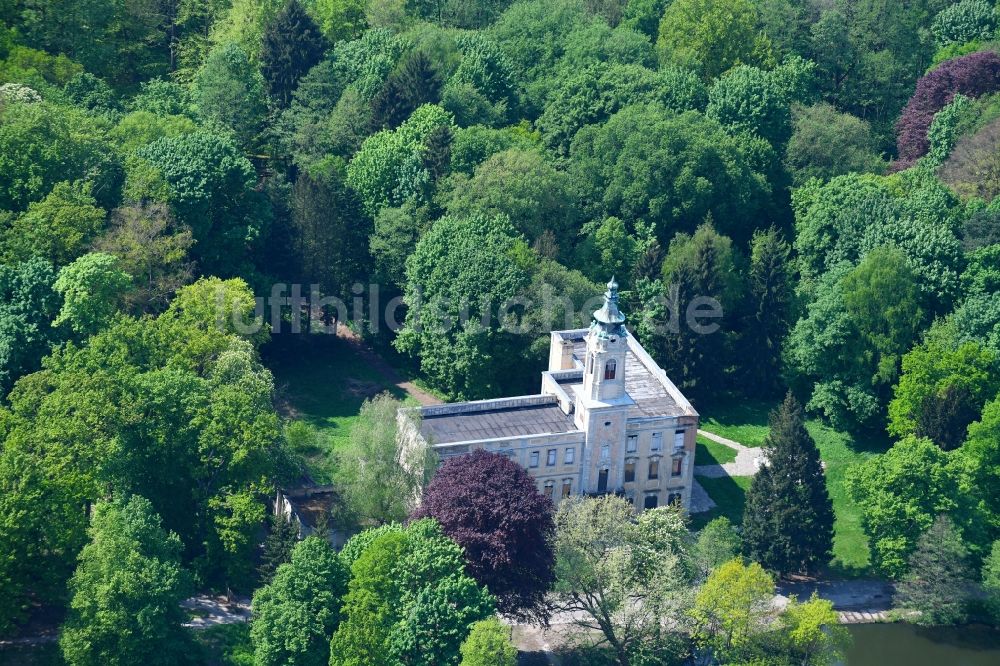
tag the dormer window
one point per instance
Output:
(609, 369)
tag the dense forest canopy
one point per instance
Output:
(828, 172)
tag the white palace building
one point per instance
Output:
(607, 420)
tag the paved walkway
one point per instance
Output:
(387, 371)
(210, 611)
(748, 459)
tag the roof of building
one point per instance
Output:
(495, 419)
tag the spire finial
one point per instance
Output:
(609, 316)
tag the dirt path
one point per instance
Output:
(387, 371)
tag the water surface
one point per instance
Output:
(909, 645)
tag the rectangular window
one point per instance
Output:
(674, 498)
(632, 444)
(654, 469)
(570, 455)
(534, 459)
(605, 451)
(548, 490)
(657, 442)
(678, 439)
(567, 488)
(629, 472)
(675, 468)
(602, 481)
(551, 458)
(650, 502)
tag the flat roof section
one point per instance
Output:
(505, 421)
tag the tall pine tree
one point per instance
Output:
(788, 519)
(768, 318)
(413, 83)
(292, 45)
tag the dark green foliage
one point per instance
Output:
(769, 311)
(229, 89)
(940, 576)
(28, 306)
(413, 83)
(211, 189)
(127, 592)
(788, 519)
(92, 93)
(292, 45)
(282, 535)
(669, 171)
(296, 614)
(826, 143)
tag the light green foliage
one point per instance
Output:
(243, 24)
(229, 89)
(978, 319)
(488, 644)
(210, 188)
(668, 171)
(340, 19)
(296, 614)
(982, 274)
(608, 249)
(525, 187)
(23, 64)
(28, 305)
(388, 169)
(91, 288)
(151, 247)
(399, 583)
(140, 128)
(595, 93)
(826, 143)
(943, 132)
(711, 36)
(162, 97)
(717, 543)
(364, 63)
(940, 576)
(900, 492)
(126, 592)
(57, 228)
(731, 610)
(209, 439)
(965, 21)
(373, 452)
(478, 262)
(812, 633)
(42, 144)
(41, 530)
(941, 373)
(470, 146)
(624, 578)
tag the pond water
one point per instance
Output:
(909, 645)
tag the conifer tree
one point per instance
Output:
(292, 45)
(413, 83)
(788, 519)
(940, 576)
(768, 319)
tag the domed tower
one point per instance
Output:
(604, 370)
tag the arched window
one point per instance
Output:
(609, 369)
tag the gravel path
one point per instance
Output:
(748, 459)
(210, 611)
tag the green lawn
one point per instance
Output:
(746, 422)
(225, 645)
(322, 381)
(708, 452)
(729, 493)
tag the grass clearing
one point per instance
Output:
(744, 421)
(225, 645)
(728, 493)
(708, 452)
(322, 381)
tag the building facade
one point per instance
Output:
(607, 420)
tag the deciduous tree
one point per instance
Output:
(489, 505)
